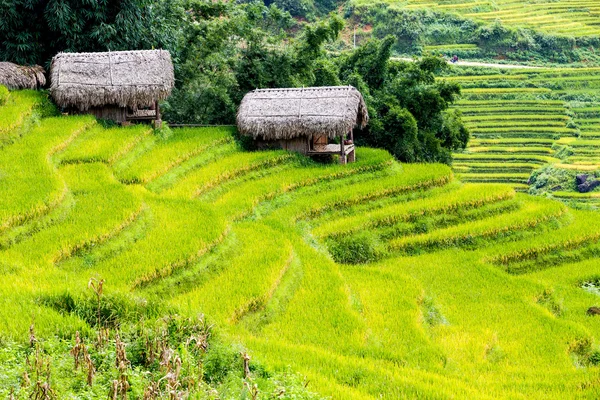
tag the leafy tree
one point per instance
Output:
(305, 8)
(205, 49)
(32, 31)
(309, 47)
(299, 8)
(326, 73)
(228, 49)
(371, 61)
(408, 107)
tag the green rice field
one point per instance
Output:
(565, 17)
(522, 120)
(371, 280)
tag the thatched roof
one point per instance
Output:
(122, 78)
(16, 77)
(289, 113)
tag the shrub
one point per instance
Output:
(361, 248)
(220, 362)
(550, 178)
(112, 310)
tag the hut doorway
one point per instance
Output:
(319, 142)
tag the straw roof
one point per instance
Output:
(289, 113)
(16, 77)
(121, 78)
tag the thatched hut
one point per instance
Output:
(16, 77)
(304, 120)
(118, 85)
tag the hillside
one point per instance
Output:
(373, 280)
(565, 17)
(523, 120)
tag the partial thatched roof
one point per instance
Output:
(123, 78)
(289, 113)
(15, 76)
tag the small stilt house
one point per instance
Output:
(305, 120)
(16, 77)
(117, 85)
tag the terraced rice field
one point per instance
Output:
(521, 120)
(567, 17)
(373, 280)
(586, 150)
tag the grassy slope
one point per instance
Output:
(567, 17)
(471, 290)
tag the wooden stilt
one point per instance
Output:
(158, 120)
(352, 156)
(342, 150)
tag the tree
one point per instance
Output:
(305, 8)
(33, 31)
(228, 49)
(408, 107)
(371, 61)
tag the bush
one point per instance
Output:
(220, 362)
(113, 310)
(361, 248)
(551, 178)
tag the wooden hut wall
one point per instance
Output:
(113, 113)
(299, 145)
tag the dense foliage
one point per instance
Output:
(430, 30)
(305, 8)
(407, 106)
(227, 50)
(33, 31)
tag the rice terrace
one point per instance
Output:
(299, 200)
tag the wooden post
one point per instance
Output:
(342, 150)
(157, 121)
(352, 155)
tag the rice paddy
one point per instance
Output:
(373, 280)
(516, 132)
(567, 17)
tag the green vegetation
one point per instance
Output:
(33, 31)
(177, 263)
(408, 109)
(563, 32)
(222, 50)
(360, 281)
(567, 17)
(551, 125)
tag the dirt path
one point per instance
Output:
(479, 64)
